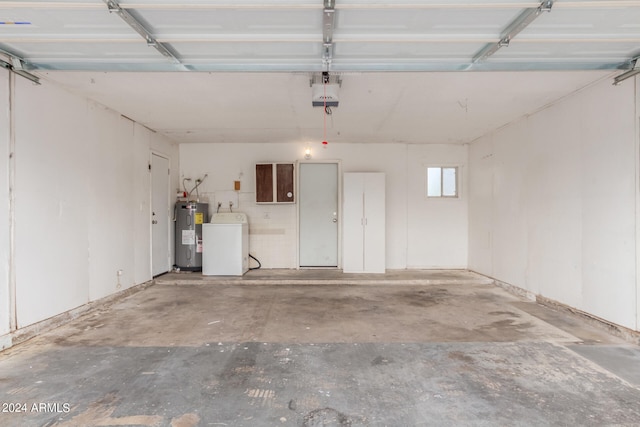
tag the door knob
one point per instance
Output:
(334, 220)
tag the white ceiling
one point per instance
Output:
(438, 107)
(423, 71)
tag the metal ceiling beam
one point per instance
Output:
(312, 65)
(139, 28)
(513, 29)
(328, 24)
(313, 38)
(635, 69)
(17, 66)
(185, 5)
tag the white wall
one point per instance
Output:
(110, 207)
(82, 201)
(52, 202)
(553, 203)
(4, 204)
(437, 227)
(273, 239)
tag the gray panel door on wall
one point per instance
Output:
(318, 214)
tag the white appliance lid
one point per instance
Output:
(229, 218)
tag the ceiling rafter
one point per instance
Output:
(634, 69)
(18, 66)
(138, 27)
(328, 24)
(309, 39)
(521, 22)
(596, 4)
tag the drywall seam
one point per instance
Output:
(13, 320)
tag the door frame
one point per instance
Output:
(170, 243)
(339, 195)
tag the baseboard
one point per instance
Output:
(5, 341)
(24, 334)
(514, 289)
(614, 329)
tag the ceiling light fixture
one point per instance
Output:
(635, 69)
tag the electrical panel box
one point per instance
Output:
(275, 183)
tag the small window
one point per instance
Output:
(442, 182)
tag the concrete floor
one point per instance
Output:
(287, 348)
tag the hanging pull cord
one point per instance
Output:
(324, 115)
(325, 80)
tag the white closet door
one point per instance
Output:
(364, 223)
(352, 229)
(375, 225)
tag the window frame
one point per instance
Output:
(442, 184)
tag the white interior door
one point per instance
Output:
(318, 214)
(160, 262)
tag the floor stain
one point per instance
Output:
(458, 355)
(381, 361)
(241, 365)
(326, 417)
(99, 414)
(509, 329)
(424, 298)
(186, 420)
(505, 313)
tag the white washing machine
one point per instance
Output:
(225, 245)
